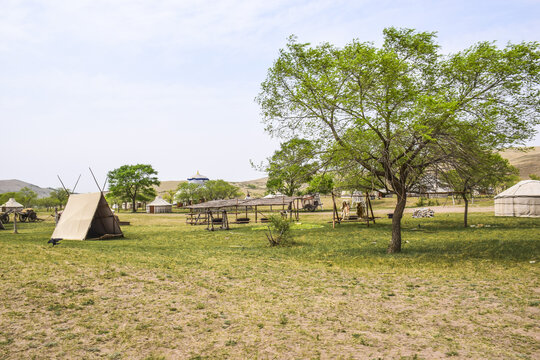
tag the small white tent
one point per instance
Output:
(86, 216)
(158, 206)
(522, 199)
(11, 204)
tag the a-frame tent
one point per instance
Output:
(87, 216)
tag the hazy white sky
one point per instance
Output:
(105, 83)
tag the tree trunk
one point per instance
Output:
(466, 213)
(133, 204)
(395, 244)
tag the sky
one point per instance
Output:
(100, 84)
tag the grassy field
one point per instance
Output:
(171, 291)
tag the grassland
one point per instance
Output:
(172, 291)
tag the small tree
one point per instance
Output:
(60, 195)
(321, 183)
(27, 197)
(279, 230)
(133, 182)
(291, 166)
(471, 168)
(220, 189)
(189, 192)
(169, 195)
(47, 202)
(4, 197)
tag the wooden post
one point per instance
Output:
(335, 216)
(370, 208)
(255, 214)
(15, 223)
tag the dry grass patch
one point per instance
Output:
(173, 291)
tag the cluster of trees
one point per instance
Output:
(133, 183)
(212, 190)
(28, 198)
(390, 116)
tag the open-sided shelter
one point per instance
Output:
(216, 211)
(11, 205)
(158, 206)
(522, 199)
(87, 216)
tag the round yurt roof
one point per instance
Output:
(11, 203)
(525, 188)
(198, 176)
(159, 201)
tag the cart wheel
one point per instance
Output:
(22, 218)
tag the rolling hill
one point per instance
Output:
(527, 162)
(16, 185)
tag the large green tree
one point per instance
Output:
(392, 108)
(133, 182)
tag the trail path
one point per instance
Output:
(440, 209)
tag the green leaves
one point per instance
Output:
(211, 190)
(133, 182)
(291, 166)
(400, 110)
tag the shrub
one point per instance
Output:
(421, 202)
(279, 230)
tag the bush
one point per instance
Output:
(421, 202)
(279, 230)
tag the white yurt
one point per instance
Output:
(11, 204)
(158, 206)
(198, 179)
(522, 199)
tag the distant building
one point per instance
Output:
(158, 206)
(198, 179)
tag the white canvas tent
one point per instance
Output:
(11, 204)
(158, 206)
(522, 199)
(86, 216)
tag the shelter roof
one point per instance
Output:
(198, 176)
(525, 188)
(219, 204)
(281, 200)
(159, 201)
(11, 203)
